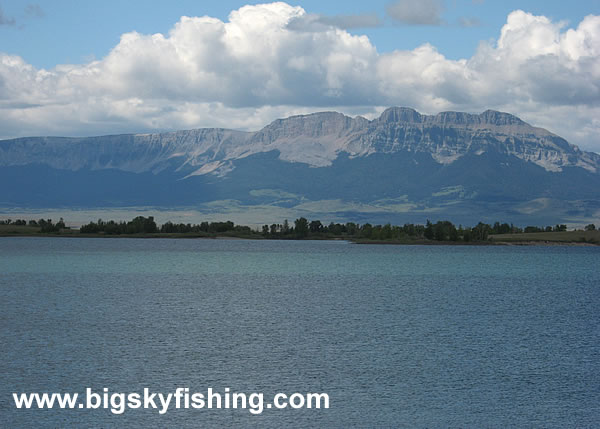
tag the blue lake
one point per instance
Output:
(397, 336)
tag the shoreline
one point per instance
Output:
(547, 243)
(190, 236)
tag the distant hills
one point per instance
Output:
(400, 167)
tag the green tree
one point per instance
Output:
(316, 226)
(275, 229)
(366, 230)
(481, 231)
(453, 234)
(141, 224)
(428, 230)
(351, 228)
(467, 235)
(301, 227)
(386, 232)
(47, 226)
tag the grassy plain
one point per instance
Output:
(592, 237)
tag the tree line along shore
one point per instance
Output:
(301, 229)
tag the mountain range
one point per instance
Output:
(400, 167)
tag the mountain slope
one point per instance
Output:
(400, 166)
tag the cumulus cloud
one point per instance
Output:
(422, 12)
(266, 61)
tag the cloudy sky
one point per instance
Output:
(71, 68)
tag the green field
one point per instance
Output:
(26, 230)
(592, 237)
(19, 230)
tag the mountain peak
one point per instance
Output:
(400, 114)
(317, 117)
(313, 125)
(500, 118)
(409, 115)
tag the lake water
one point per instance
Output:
(397, 336)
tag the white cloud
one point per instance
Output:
(247, 71)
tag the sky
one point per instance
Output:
(76, 68)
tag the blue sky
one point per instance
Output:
(73, 31)
(81, 68)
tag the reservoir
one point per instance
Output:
(397, 336)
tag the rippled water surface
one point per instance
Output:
(398, 336)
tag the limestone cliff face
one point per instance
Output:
(448, 136)
(316, 139)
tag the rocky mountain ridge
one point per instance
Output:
(315, 139)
